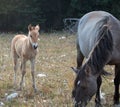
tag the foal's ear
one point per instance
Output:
(30, 27)
(87, 70)
(37, 27)
(75, 70)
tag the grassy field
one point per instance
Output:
(56, 54)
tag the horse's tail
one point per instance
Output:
(102, 51)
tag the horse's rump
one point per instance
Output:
(88, 31)
(17, 43)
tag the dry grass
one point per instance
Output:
(55, 57)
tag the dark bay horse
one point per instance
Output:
(99, 41)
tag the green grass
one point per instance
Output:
(54, 58)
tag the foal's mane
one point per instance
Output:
(101, 52)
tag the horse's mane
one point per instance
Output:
(101, 52)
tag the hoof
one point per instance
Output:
(35, 90)
(19, 89)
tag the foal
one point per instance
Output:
(25, 48)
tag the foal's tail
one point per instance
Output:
(103, 49)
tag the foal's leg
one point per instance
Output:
(80, 57)
(32, 73)
(15, 58)
(23, 70)
(97, 99)
(116, 83)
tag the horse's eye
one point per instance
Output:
(31, 36)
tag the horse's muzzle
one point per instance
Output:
(80, 104)
(35, 45)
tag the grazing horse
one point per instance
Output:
(25, 48)
(99, 41)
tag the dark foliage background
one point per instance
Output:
(15, 15)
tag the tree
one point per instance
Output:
(15, 15)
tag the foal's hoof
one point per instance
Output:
(19, 89)
(14, 87)
(35, 90)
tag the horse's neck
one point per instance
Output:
(28, 43)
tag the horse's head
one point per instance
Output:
(85, 86)
(33, 35)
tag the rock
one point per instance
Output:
(63, 37)
(11, 96)
(41, 75)
(1, 104)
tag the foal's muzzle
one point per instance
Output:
(34, 45)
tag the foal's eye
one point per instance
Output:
(31, 36)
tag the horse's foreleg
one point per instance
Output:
(32, 73)
(98, 99)
(116, 83)
(23, 70)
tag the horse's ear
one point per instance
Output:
(87, 70)
(75, 70)
(30, 27)
(37, 27)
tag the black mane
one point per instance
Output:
(100, 54)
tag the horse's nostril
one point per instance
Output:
(35, 47)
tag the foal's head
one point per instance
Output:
(85, 86)
(33, 35)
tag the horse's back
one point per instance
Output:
(88, 30)
(19, 37)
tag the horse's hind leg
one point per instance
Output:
(98, 99)
(32, 73)
(80, 57)
(116, 83)
(15, 58)
(23, 70)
